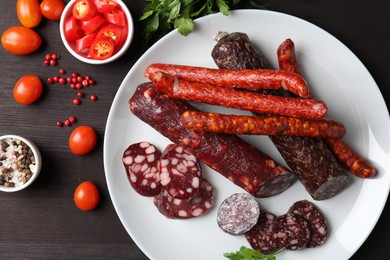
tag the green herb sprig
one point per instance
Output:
(165, 15)
(249, 254)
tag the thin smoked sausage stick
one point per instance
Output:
(238, 99)
(261, 125)
(248, 79)
(356, 164)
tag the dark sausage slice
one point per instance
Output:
(238, 213)
(344, 154)
(309, 158)
(261, 236)
(291, 231)
(238, 99)
(180, 172)
(140, 161)
(261, 125)
(193, 207)
(317, 222)
(229, 155)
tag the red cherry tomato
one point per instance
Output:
(29, 12)
(82, 140)
(86, 196)
(92, 24)
(20, 40)
(112, 31)
(27, 89)
(84, 9)
(116, 16)
(102, 48)
(52, 9)
(105, 6)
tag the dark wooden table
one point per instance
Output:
(42, 221)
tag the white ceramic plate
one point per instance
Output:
(335, 75)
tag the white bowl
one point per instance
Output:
(130, 25)
(35, 170)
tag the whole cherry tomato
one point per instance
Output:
(52, 9)
(29, 12)
(27, 89)
(86, 196)
(82, 140)
(20, 40)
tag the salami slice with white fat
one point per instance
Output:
(260, 237)
(140, 161)
(238, 213)
(180, 172)
(318, 226)
(291, 231)
(193, 207)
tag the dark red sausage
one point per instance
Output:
(193, 207)
(140, 161)
(261, 236)
(343, 153)
(315, 219)
(309, 158)
(180, 172)
(291, 231)
(248, 79)
(261, 125)
(244, 100)
(229, 155)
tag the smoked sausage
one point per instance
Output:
(309, 158)
(237, 160)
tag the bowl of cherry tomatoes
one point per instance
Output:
(96, 31)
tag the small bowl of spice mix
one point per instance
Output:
(20, 163)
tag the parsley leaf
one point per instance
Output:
(249, 254)
(164, 15)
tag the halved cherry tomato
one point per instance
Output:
(92, 24)
(27, 89)
(86, 196)
(72, 30)
(20, 40)
(112, 31)
(116, 16)
(84, 9)
(82, 140)
(105, 6)
(102, 48)
(29, 12)
(52, 9)
(85, 42)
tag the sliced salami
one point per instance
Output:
(238, 213)
(260, 237)
(317, 222)
(140, 161)
(291, 231)
(180, 172)
(193, 207)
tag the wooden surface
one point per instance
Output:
(42, 221)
